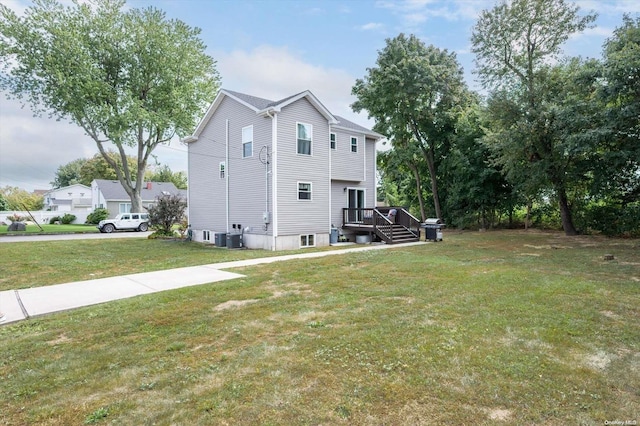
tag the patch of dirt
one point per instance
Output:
(610, 314)
(547, 247)
(598, 361)
(61, 339)
(234, 304)
(499, 414)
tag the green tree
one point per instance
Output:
(163, 173)
(18, 199)
(514, 43)
(620, 171)
(68, 174)
(414, 89)
(401, 169)
(128, 77)
(97, 167)
(477, 191)
(4, 205)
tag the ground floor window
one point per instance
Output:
(308, 240)
(125, 208)
(206, 235)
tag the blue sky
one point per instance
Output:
(275, 48)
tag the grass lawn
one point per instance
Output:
(483, 328)
(50, 229)
(55, 262)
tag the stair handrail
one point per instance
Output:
(412, 222)
(382, 226)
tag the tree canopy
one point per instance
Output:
(514, 44)
(127, 77)
(414, 94)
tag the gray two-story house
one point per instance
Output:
(280, 172)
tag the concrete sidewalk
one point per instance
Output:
(18, 305)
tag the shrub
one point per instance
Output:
(615, 220)
(67, 218)
(54, 219)
(16, 218)
(97, 215)
(167, 211)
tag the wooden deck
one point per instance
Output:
(399, 229)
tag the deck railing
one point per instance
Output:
(379, 221)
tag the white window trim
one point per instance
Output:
(310, 140)
(244, 142)
(307, 245)
(310, 191)
(206, 235)
(222, 170)
(125, 210)
(351, 145)
(335, 141)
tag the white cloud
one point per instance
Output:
(274, 73)
(610, 7)
(371, 26)
(32, 148)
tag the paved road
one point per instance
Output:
(97, 235)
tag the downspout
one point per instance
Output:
(226, 171)
(330, 184)
(274, 178)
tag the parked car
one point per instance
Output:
(125, 222)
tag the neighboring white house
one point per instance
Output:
(110, 194)
(72, 198)
(282, 172)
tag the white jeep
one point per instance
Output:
(125, 222)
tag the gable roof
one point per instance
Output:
(112, 190)
(260, 106)
(345, 124)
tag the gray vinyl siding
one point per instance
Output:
(206, 189)
(340, 197)
(371, 167)
(247, 175)
(294, 216)
(207, 192)
(347, 165)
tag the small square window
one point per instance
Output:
(354, 144)
(307, 240)
(304, 191)
(333, 141)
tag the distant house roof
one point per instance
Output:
(66, 188)
(112, 190)
(266, 106)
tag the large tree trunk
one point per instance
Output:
(416, 174)
(429, 157)
(565, 213)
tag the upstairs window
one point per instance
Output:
(304, 191)
(304, 134)
(354, 144)
(247, 141)
(333, 141)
